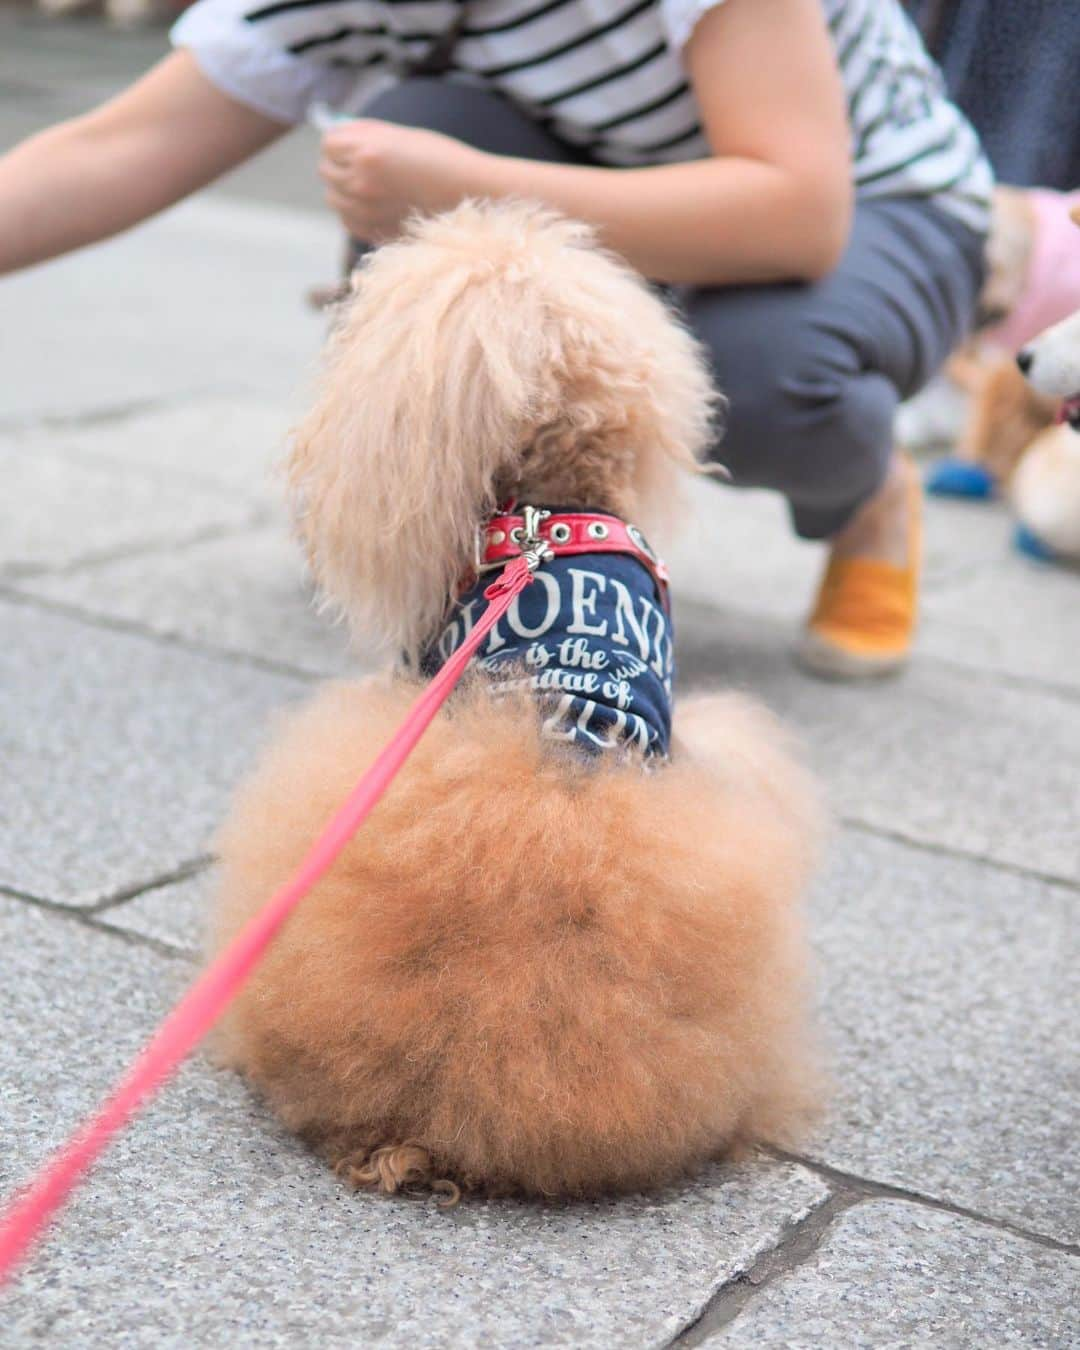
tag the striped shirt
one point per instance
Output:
(604, 76)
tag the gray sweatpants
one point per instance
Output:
(812, 373)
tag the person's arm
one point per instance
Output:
(772, 204)
(167, 135)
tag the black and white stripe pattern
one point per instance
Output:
(605, 76)
(907, 138)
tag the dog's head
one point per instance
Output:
(1051, 364)
(491, 352)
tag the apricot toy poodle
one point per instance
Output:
(565, 955)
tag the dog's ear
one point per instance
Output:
(432, 384)
(1074, 214)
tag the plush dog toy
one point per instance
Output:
(1045, 487)
(981, 403)
(1022, 436)
(565, 955)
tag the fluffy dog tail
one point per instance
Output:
(479, 339)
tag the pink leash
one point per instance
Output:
(205, 1001)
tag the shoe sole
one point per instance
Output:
(829, 662)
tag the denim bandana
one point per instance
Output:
(591, 638)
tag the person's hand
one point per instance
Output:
(376, 173)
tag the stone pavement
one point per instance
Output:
(155, 616)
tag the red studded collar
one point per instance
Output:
(564, 533)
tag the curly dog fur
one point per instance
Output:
(530, 973)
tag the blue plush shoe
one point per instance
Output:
(959, 478)
(1030, 545)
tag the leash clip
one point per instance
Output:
(534, 549)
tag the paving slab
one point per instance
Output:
(205, 1225)
(962, 537)
(174, 915)
(944, 757)
(246, 594)
(119, 752)
(68, 510)
(950, 992)
(232, 445)
(1019, 618)
(890, 1274)
(734, 548)
(984, 606)
(235, 323)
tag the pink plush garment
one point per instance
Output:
(1053, 284)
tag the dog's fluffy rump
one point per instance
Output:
(547, 976)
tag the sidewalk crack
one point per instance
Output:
(797, 1245)
(112, 624)
(18, 574)
(181, 872)
(799, 1241)
(959, 854)
(104, 414)
(868, 1189)
(185, 870)
(924, 660)
(87, 918)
